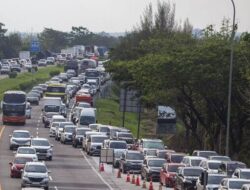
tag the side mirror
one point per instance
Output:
(14, 152)
(42, 109)
(49, 171)
(52, 145)
(10, 163)
(10, 135)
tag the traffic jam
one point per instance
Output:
(69, 115)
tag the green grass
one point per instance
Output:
(26, 79)
(108, 113)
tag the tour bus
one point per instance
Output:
(56, 90)
(14, 107)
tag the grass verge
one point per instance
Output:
(108, 113)
(25, 80)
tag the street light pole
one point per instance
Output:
(230, 81)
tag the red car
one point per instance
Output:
(17, 165)
(168, 174)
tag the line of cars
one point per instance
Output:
(25, 164)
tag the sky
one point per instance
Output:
(113, 15)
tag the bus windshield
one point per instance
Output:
(14, 98)
(56, 89)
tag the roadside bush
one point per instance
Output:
(26, 85)
(53, 73)
(13, 74)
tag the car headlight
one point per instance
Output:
(46, 179)
(50, 150)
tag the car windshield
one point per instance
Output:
(245, 175)
(81, 132)
(192, 172)
(26, 151)
(86, 120)
(161, 154)
(207, 154)
(31, 95)
(35, 169)
(104, 129)
(232, 166)
(237, 184)
(98, 139)
(20, 160)
(215, 179)
(151, 152)
(127, 135)
(69, 129)
(118, 145)
(153, 144)
(214, 165)
(55, 124)
(156, 163)
(39, 143)
(221, 158)
(173, 168)
(59, 120)
(49, 115)
(135, 156)
(84, 105)
(195, 162)
(176, 158)
(51, 108)
(118, 154)
(21, 135)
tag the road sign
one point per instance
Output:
(166, 121)
(129, 101)
(35, 46)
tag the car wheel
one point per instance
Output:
(142, 177)
(46, 188)
(11, 148)
(123, 170)
(50, 158)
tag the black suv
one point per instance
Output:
(151, 168)
(131, 161)
(187, 177)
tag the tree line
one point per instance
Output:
(171, 65)
(51, 40)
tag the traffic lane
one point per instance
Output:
(7, 155)
(69, 169)
(121, 182)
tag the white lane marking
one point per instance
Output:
(56, 188)
(92, 167)
(50, 178)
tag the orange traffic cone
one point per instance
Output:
(144, 186)
(133, 179)
(137, 181)
(101, 168)
(119, 173)
(151, 185)
(128, 178)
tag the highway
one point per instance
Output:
(69, 168)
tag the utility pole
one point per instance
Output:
(230, 81)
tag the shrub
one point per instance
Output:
(53, 73)
(12, 74)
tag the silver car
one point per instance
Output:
(35, 174)
(43, 148)
(20, 138)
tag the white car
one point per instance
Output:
(20, 138)
(27, 152)
(192, 160)
(67, 134)
(212, 166)
(232, 183)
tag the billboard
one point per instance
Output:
(166, 120)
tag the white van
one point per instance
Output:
(87, 116)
